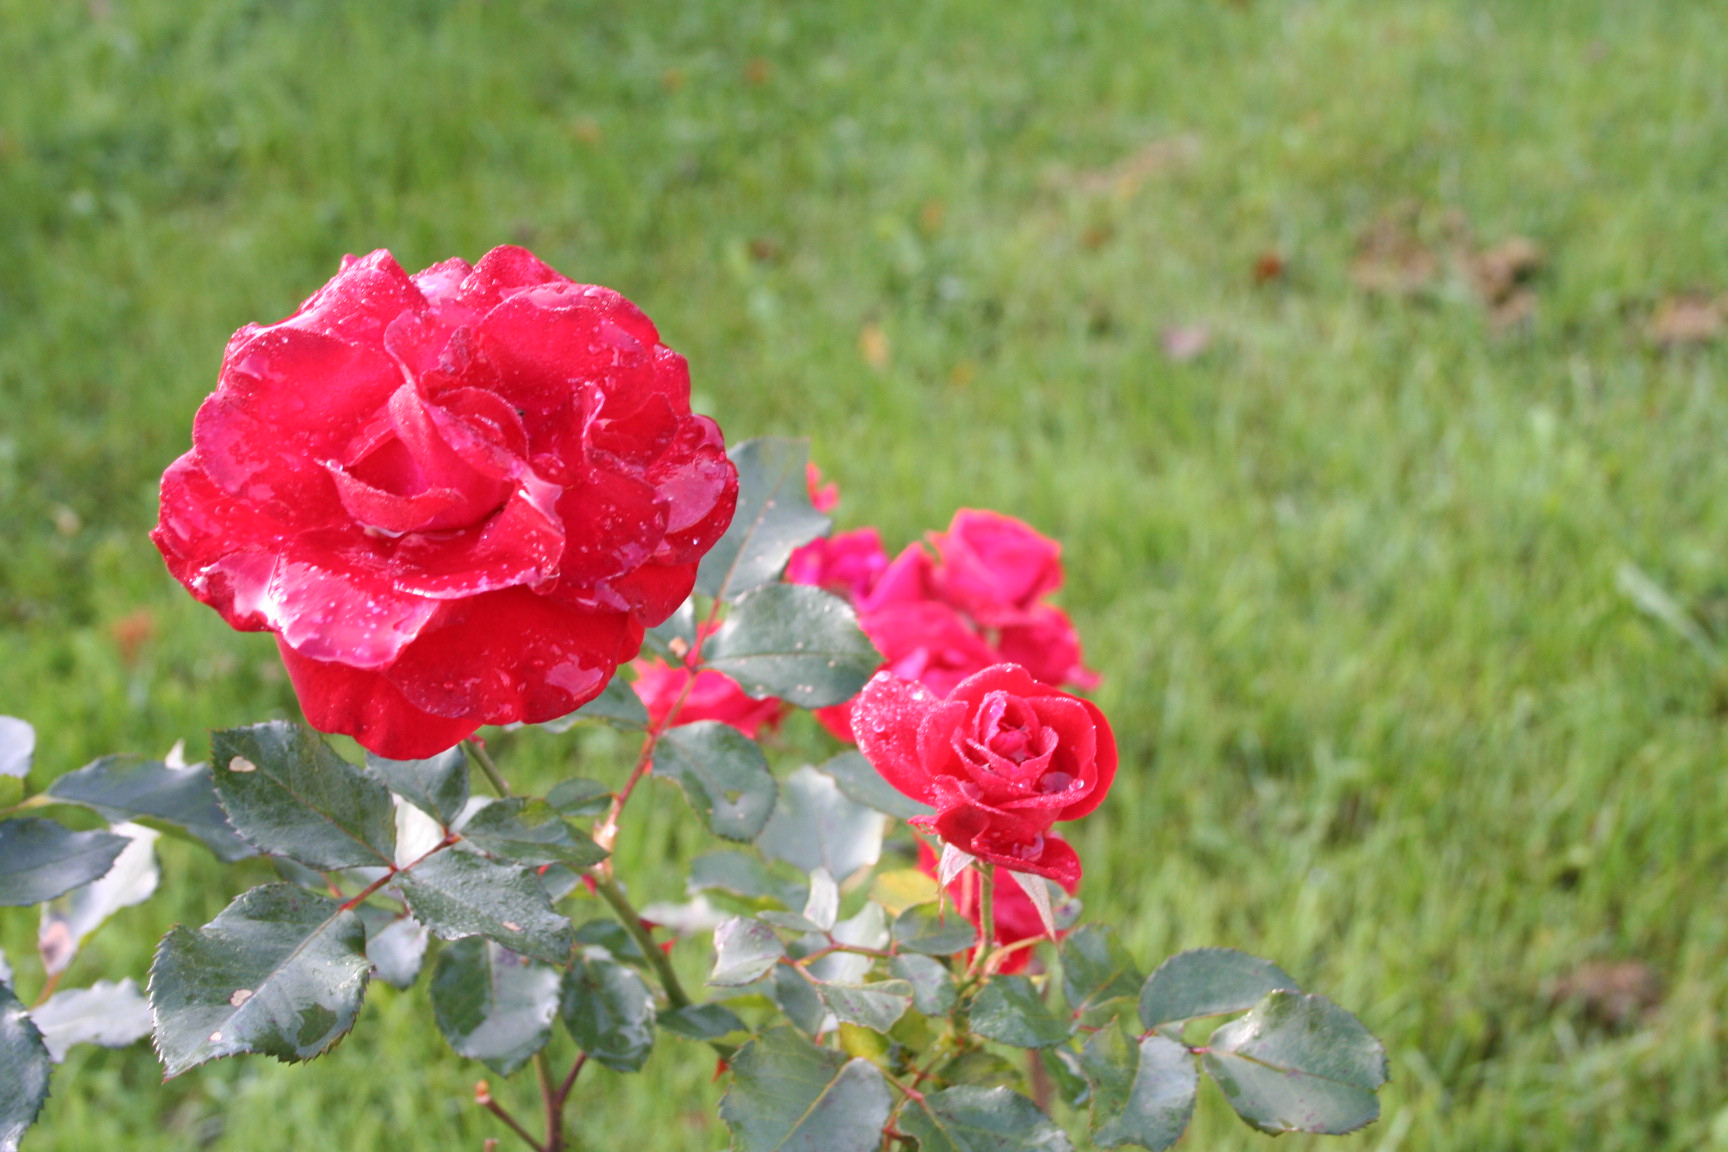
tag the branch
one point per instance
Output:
(610, 892)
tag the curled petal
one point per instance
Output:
(365, 705)
(1016, 844)
(885, 719)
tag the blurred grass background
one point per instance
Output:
(1349, 571)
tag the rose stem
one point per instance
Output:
(632, 921)
(986, 919)
(483, 1097)
(484, 759)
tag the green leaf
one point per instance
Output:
(40, 859)
(745, 949)
(459, 893)
(1299, 1063)
(797, 999)
(724, 776)
(579, 798)
(288, 793)
(396, 947)
(612, 936)
(873, 1006)
(617, 705)
(774, 516)
(933, 991)
(787, 1095)
(280, 971)
(1142, 1093)
(1208, 982)
(816, 826)
(24, 1069)
(862, 783)
(742, 874)
(528, 831)
(1096, 969)
(921, 928)
(1008, 1009)
(702, 1021)
(149, 791)
(796, 642)
(493, 1005)
(608, 1011)
(438, 785)
(66, 920)
(980, 1120)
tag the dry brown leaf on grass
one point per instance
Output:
(1391, 257)
(1124, 178)
(1501, 276)
(1613, 995)
(1689, 319)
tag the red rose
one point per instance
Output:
(846, 563)
(1001, 758)
(457, 498)
(712, 696)
(1015, 916)
(1047, 646)
(994, 567)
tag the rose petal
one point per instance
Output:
(994, 566)
(1047, 645)
(710, 695)
(511, 656)
(1103, 765)
(654, 591)
(1020, 845)
(329, 601)
(360, 301)
(366, 706)
(886, 719)
(220, 547)
(547, 339)
(521, 544)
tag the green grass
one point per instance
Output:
(1349, 575)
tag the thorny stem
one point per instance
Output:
(484, 759)
(610, 892)
(483, 1097)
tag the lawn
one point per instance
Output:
(1195, 286)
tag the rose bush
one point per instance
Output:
(455, 497)
(1016, 919)
(1001, 758)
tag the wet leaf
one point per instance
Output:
(438, 785)
(1208, 982)
(923, 929)
(933, 991)
(280, 971)
(1096, 969)
(815, 826)
(40, 859)
(745, 950)
(702, 1022)
(968, 1119)
(1009, 1010)
(1142, 1092)
(396, 950)
(68, 919)
(1298, 1063)
(798, 643)
(24, 1070)
(864, 785)
(743, 874)
(152, 792)
(787, 1095)
(608, 1011)
(774, 516)
(873, 1006)
(723, 774)
(493, 1005)
(287, 792)
(459, 893)
(530, 831)
(579, 798)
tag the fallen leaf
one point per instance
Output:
(1614, 995)
(131, 632)
(873, 345)
(1268, 266)
(1514, 310)
(1503, 271)
(1184, 342)
(1391, 258)
(1687, 320)
(1124, 178)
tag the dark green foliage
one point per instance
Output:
(1009, 1009)
(933, 991)
(24, 1069)
(787, 1095)
(1142, 1092)
(863, 784)
(460, 893)
(874, 1006)
(744, 950)
(609, 1012)
(799, 643)
(774, 516)
(148, 791)
(437, 785)
(968, 1119)
(1097, 969)
(816, 826)
(1208, 982)
(40, 859)
(286, 792)
(724, 776)
(921, 928)
(1299, 1063)
(530, 831)
(493, 1005)
(280, 971)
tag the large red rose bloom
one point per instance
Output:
(457, 498)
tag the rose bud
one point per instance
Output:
(1001, 758)
(457, 498)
